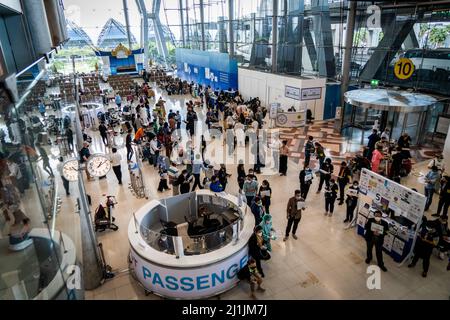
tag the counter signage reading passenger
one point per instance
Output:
(190, 246)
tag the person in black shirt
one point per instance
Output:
(425, 243)
(306, 177)
(266, 195)
(223, 176)
(444, 197)
(376, 228)
(128, 141)
(404, 142)
(69, 135)
(352, 201)
(103, 133)
(241, 175)
(326, 169)
(343, 179)
(373, 139)
(309, 150)
(330, 197)
(184, 182)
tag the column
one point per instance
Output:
(230, 27)
(348, 52)
(274, 35)
(447, 153)
(51, 8)
(127, 23)
(183, 40)
(36, 17)
(202, 25)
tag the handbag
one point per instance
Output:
(265, 255)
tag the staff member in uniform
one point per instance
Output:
(128, 141)
(294, 214)
(330, 197)
(425, 243)
(306, 177)
(326, 169)
(352, 201)
(344, 178)
(376, 229)
(116, 158)
(444, 197)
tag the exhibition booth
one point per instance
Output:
(190, 246)
(402, 209)
(302, 93)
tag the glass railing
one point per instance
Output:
(38, 242)
(196, 238)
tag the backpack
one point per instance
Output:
(244, 273)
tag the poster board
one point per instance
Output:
(274, 110)
(442, 124)
(402, 209)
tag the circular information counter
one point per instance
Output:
(190, 246)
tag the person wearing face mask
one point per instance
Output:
(444, 197)
(425, 243)
(256, 248)
(376, 228)
(330, 197)
(430, 185)
(294, 214)
(438, 161)
(306, 177)
(184, 182)
(443, 232)
(268, 232)
(352, 201)
(326, 170)
(265, 193)
(250, 189)
(344, 177)
(257, 210)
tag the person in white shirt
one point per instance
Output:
(438, 161)
(59, 167)
(239, 133)
(386, 133)
(154, 151)
(116, 159)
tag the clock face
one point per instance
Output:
(70, 170)
(98, 165)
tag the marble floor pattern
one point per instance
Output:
(326, 262)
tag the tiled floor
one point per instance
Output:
(326, 262)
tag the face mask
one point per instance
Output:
(355, 185)
(377, 219)
(259, 234)
(298, 198)
(260, 204)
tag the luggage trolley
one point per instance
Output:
(137, 184)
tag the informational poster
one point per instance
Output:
(292, 92)
(388, 241)
(398, 246)
(389, 194)
(311, 93)
(274, 110)
(362, 220)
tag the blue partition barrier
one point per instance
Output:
(215, 69)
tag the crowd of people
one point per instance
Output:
(154, 131)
